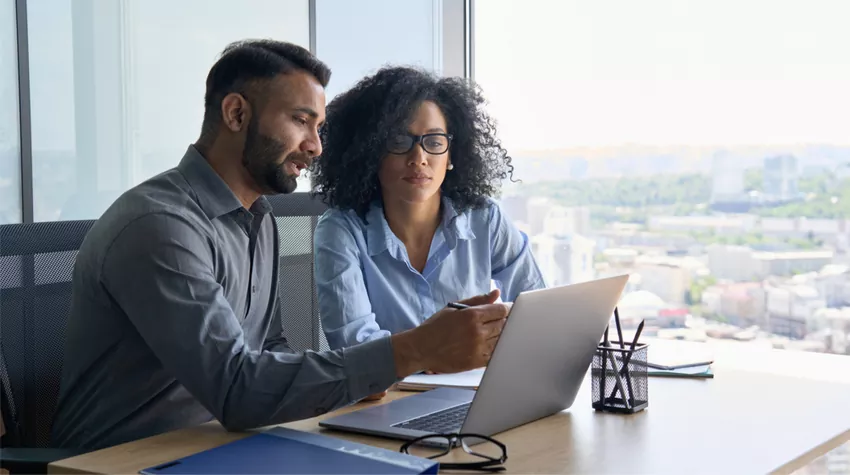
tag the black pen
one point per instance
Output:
(635, 339)
(627, 359)
(619, 328)
(456, 305)
(604, 353)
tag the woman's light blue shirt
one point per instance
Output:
(367, 288)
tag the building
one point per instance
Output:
(792, 310)
(833, 283)
(733, 263)
(833, 232)
(621, 257)
(668, 277)
(741, 303)
(733, 224)
(640, 305)
(567, 220)
(711, 300)
(564, 259)
(742, 264)
(537, 210)
(630, 235)
(837, 321)
(780, 179)
(727, 183)
(789, 263)
(516, 207)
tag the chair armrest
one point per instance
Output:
(32, 460)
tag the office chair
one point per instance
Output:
(36, 264)
(297, 215)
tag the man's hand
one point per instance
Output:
(452, 340)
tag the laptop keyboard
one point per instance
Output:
(447, 421)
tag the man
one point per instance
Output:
(174, 319)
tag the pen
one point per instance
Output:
(605, 344)
(618, 381)
(635, 339)
(619, 328)
(456, 305)
(627, 359)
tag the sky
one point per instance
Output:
(564, 73)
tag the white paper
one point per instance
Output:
(467, 379)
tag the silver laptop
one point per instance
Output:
(536, 369)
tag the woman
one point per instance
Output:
(409, 163)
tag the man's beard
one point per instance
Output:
(260, 159)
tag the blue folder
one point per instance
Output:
(282, 451)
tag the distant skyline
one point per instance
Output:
(571, 73)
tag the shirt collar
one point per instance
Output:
(214, 196)
(457, 223)
(381, 237)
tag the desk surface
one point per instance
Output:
(738, 422)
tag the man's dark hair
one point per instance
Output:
(244, 63)
(360, 120)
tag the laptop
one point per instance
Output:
(535, 371)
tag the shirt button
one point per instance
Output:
(254, 289)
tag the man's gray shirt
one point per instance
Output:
(173, 324)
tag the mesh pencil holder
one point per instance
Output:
(619, 378)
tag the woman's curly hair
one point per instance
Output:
(360, 121)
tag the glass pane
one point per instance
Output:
(10, 135)
(701, 147)
(388, 32)
(118, 86)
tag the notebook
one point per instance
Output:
(668, 356)
(425, 382)
(284, 451)
(675, 360)
(700, 371)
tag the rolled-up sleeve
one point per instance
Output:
(160, 271)
(513, 266)
(347, 316)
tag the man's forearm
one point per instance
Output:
(298, 386)
(408, 358)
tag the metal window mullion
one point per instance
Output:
(24, 112)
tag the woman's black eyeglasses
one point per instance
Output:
(435, 144)
(493, 452)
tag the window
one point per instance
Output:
(10, 145)
(357, 37)
(705, 142)
(117, 88)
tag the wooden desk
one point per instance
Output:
(739, 422)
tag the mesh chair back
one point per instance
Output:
(36, 265)
(297, 215)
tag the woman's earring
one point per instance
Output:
(450, 167)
